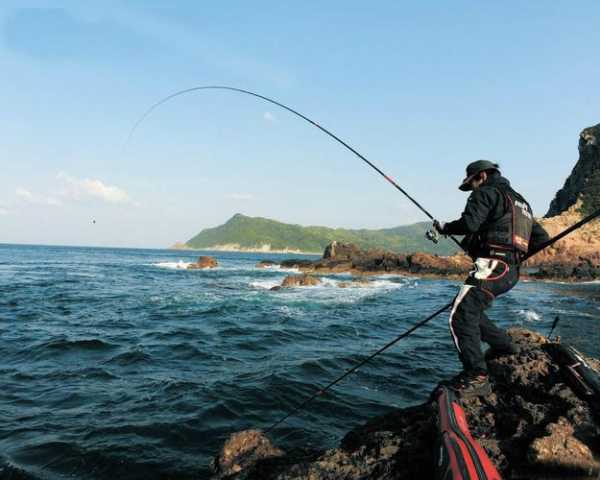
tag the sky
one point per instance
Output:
(419, 88)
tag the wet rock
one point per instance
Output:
(242, 451)
(203, 262)
(300, 281)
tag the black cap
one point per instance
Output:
(473, 169)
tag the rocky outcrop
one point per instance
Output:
(203, 262)
(340, 251)
(300, 281)
(531, 426)
(341, 257)
(584, 181)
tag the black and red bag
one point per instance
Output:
(458, 455)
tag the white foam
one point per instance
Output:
(382, 284)
(530, 315)
(330, 292)
(278, 268)
(265, 284)
(180, 265)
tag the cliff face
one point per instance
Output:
(577, 256)
(584, 180)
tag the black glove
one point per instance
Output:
(439, 226)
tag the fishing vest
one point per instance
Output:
(513, 229)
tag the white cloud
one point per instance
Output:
(76, 188)
(241, 196)
(269, 117)
(29, 197)
(3, 211)
(24, 194)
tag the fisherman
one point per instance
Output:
(499, 229)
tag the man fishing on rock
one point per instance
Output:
(499, 229)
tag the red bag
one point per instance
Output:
(458, 455)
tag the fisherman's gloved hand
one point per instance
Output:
(439, 226)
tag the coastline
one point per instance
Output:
(240, 249)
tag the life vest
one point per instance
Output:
(513, 229)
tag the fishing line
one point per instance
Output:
(289, 109)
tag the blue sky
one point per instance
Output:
(420, 88)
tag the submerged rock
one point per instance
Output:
(303, 280)
(531, 426)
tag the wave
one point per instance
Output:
(84, 344)
(130, 358)
(266, 284)
(180, 265)
(337, 284)
(529, 315)
(278, 268)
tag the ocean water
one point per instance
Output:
(119, 363)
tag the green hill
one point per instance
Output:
(254, 232)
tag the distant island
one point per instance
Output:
(263, 235)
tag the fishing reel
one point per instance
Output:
(432, 235)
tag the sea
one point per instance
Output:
(121, 363)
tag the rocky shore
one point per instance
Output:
(531, 426)
(563, 262)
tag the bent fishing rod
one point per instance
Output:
(418, 325)
(295, 112)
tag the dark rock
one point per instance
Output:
(586, 168)
(296, 263)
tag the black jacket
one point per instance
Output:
(483, 206)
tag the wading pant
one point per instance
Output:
(469, 324)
